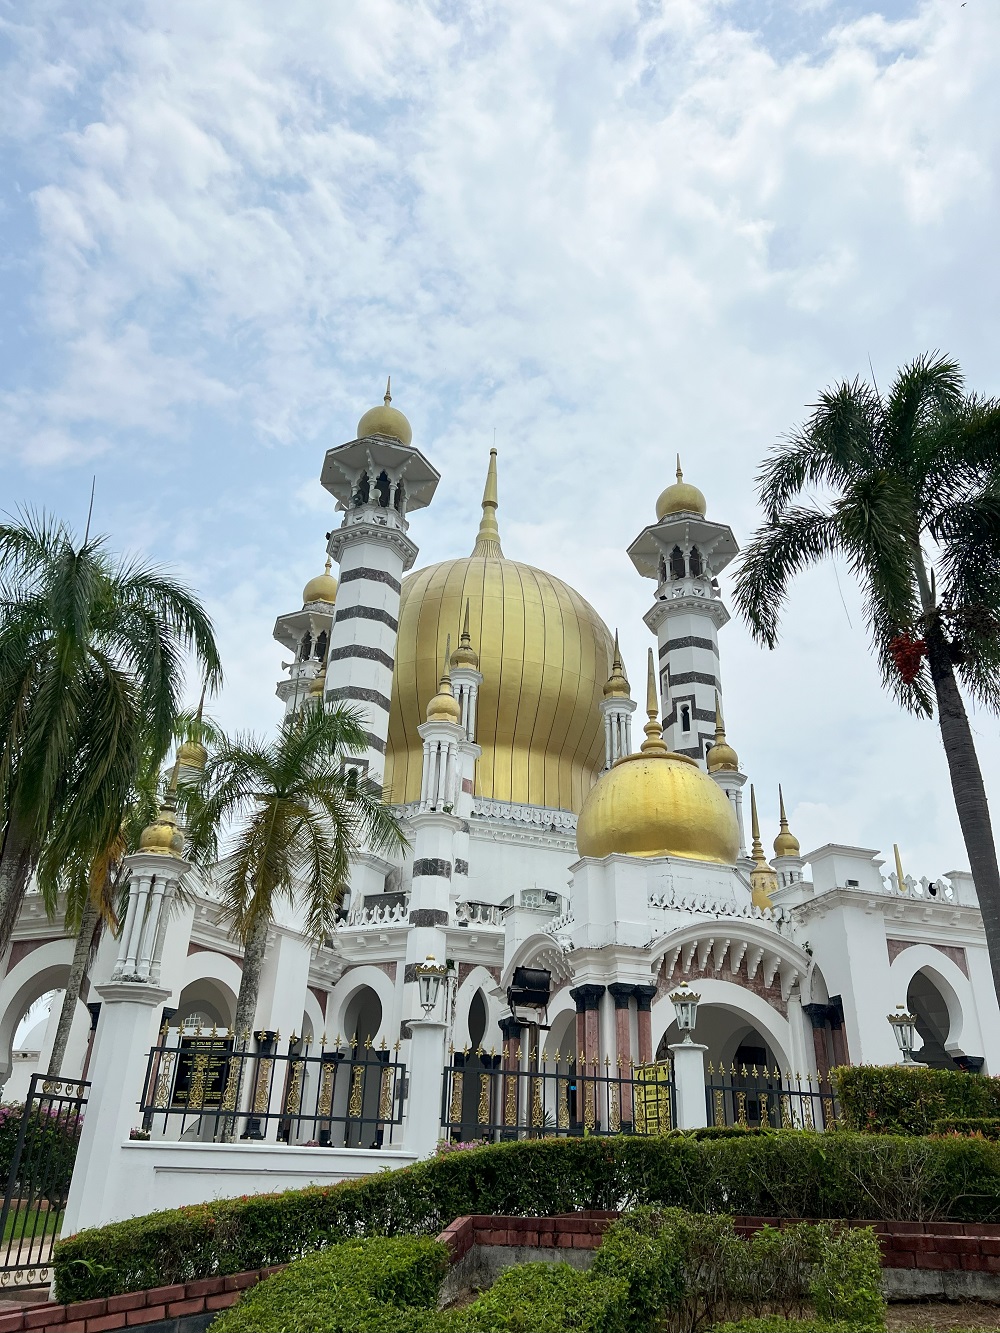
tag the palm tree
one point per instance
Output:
(296, 818)
(96, 891)
(91, 667)
(911, 500)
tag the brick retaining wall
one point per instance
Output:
(919, 1259)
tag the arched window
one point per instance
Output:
(360, 496)
(382, 487)
(321, 645)
(305, 647)
(685, 717)
(400, 501)
(694, 561)
(677, 570)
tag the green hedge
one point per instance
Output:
(987, 1126)
(656, 1272)
(789, 1173)
(909, 1099)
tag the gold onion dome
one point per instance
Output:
(385, 420)
(322, 588)
(657, 803)
(721, 758)
(616, 686)
(192, 754)
(444, 707)
(786, 843)
(318, 684)
(543, 651)
(681, 498)
(465, 655)
(163, 837)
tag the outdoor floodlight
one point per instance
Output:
(685, 1004)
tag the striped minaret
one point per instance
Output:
(377, 479)
(684, 552)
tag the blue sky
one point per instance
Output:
(605, 229)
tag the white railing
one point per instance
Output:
(703, 905)
(534, 816)
(394, 913)
(478, 914)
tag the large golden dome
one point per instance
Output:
(657, 803)
(544, 653)
(680, 498)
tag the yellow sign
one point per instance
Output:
(651, 1090)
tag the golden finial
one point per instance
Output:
(786, 843)
(616, 686)
(900, 880)
(163, 836)
(654, 742)
(763, 879)
(721, 758)
(679, 474)
(465, 655)
(388, 391)
(488, 540)
(444, 707)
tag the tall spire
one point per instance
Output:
(721, 758)
(616, 685)
(786, 843)
(679, 474)
(757, 850)
(900, 877)
(488, 540)
(763, 879)
(465, 655)
(388, 399)
(654, 742)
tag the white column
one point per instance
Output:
(425, 1074)
(689, 1084)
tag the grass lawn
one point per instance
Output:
(30, 1224)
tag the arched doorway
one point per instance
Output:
(925, 1000)
(359, 1080)
(744, 1070)
(472, 1096)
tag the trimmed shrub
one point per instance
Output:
(787, 1173)
(909, 1099)
(366, 1286)
(550, 1298)
(775, 1324)
(847, 1282)
(987, 1126)
(645, 1253)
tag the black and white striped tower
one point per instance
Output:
(377, 479)
(684, 553)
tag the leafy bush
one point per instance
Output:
(909, 1099)
(987, 1126)
(367, 1286)
(549, 1298)
(776, 1324)
(787, 1173)
(48, 1152)
(847, 1281)
(644, 1252)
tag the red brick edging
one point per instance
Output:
(930, 1246)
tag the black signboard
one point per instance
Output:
(202, 1065)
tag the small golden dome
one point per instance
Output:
(465, 655)
(444, 707)
(616, 686)
(385, 420)
(680, 498)
(163, 836)
(721, 758)
(657, 803)
(322, 588)
(786, 843)
(192, 754)
(318, 686)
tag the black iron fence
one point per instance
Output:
(757, 1096)
(542, 1094)
(207, 1086)
(41, 1138)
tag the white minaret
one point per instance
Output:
(306, 634)
(685, 553)
(377, 479)
(617, 708)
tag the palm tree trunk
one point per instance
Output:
(969, 791)
(71, 996)
(16, 860)
(253, 957)
(246, 1010)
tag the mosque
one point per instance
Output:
(550, 847)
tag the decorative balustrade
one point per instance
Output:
(478, 914)
(371, 912)
(542, 817)
(703, 905)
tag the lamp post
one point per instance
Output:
(689, 1062)
(685, 1003)
(904, 1028)
(423, 1112)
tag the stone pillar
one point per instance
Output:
(588, 1001)
(689, 1084)
(621, 992)
(644, 996)
(817, 1014)
(841, 1054)
(423, 1107)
